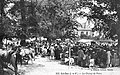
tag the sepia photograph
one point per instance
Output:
(59, 37)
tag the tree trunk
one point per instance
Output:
(117, 27)
(119, 47)
(118, 31)
(1, 21)
(22, 6)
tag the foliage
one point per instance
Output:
(103, 14)
(26, 19)
(55, 20)
(15, 22)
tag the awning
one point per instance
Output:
(86, 40)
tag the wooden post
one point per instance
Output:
(6, 44)
(69, 55)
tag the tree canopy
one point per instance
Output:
(54, 19)
(48, 18)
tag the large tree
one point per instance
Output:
(2, 2)
(48, 18)
(21, 17)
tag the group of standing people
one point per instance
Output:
(84, 55)
(95, 55)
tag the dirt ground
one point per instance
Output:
(45, 66)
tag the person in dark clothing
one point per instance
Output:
(75, 49)
(18, 56)
(80, 57)
(57, 53)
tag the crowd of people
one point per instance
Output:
(68, 52)
(82, 54)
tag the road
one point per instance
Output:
(44, 66)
